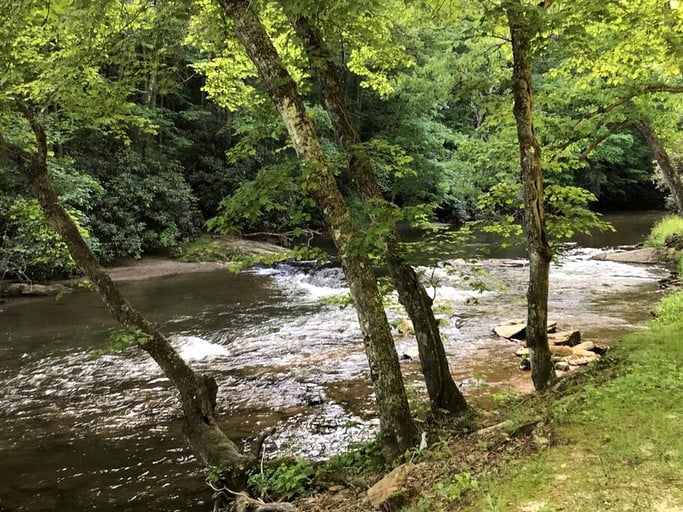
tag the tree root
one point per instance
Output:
(258, 445)
(244, 503)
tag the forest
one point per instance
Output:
(131, 128)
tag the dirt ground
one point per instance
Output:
(151, 267)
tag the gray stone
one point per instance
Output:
(561, 350)
(581, 359)
(586, 345)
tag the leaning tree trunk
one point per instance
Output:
(397, 425)
(197, 392)
(672, 174)
(443, 392)
(542, 370)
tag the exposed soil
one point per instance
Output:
(152, 267)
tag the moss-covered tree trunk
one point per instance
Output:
(396, 423)
(443, 392)
(540, 255)
(673, 174)
(197, 392)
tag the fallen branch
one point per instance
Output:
(244, 502)
(258, 445)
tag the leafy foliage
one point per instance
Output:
(667, 228)
(147, 205)
(30, 248)
(282, 479)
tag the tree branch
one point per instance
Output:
(651, 89)
(598, 140)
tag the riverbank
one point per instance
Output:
(606, 439)
(206, 254)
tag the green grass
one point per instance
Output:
(671, 225)
(670, 308)
(616, 428)
(617, 442)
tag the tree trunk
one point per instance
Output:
(397, 425)
(542, 370)
(197, 392)
(672, 175)
(443, 392)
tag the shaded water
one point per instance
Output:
(82, 431)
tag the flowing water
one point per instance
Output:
(87, 431)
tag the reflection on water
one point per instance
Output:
(83, 431)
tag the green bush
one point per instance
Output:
(667, 228)
(670, 309)
(30, 248)
(283, 478)
(147, 205)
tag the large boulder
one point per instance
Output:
(581, 359)
(645, 256)
(561, 350)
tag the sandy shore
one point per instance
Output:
(151, 267)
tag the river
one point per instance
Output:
(83, 430)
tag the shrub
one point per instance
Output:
(30, 248)
(147, 205)
(670, 309)
(670, 227)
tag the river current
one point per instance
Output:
(85, 430)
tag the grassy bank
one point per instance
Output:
(605, 439)
(616, 439)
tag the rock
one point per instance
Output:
(647, 255)
(600, 349)
(410, 355)
(562, 366)
(513, 329)
(540, 441)
(586, 345)
(389, 493)
(561, 350)
(516, 329)
(405, 326)
(570, 338)
(522, 352)
(20, 289)
(581, 359)
(584, 353)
